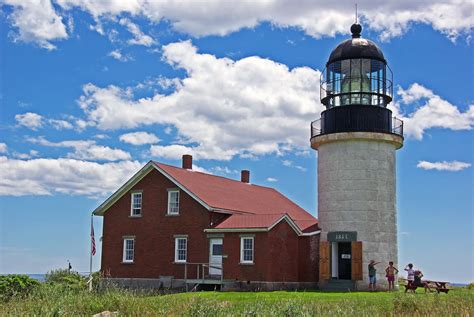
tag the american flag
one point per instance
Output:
(92, 238)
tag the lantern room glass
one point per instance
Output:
(357, 81)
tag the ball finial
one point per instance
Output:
(356, 28)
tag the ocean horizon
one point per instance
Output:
(40, 276)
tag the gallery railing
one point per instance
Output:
(317, 127)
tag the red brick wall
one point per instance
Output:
(308, 252)
(154, 232)
(280, 255)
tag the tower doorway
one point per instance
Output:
(341, 255)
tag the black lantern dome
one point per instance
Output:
(356, 87)
(356, 47)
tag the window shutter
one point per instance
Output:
(323, 260)
(356, 260)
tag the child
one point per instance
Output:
(372, 274)
(391, 271)
(410, 274)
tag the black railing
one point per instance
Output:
(317, 127)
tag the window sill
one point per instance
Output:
(127, 262)
(246, 263)
(135, 216)
(171, 215)
(175, 262)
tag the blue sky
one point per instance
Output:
(90, 92)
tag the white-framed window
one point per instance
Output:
(136, 207)
(246, 249)
(128, 249)
(173, 202)
(180, 249)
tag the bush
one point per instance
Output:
(15, 285)
(66, 278)
(470, 285)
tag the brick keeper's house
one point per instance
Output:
(175, 227)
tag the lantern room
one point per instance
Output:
(356, 88)
(356, 74)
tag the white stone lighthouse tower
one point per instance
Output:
(356, 139)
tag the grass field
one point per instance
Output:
(51, 300)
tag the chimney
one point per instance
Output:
(188, 161)
(245, 176)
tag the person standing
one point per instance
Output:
(391, 271)
(372, 275)
(410, 275)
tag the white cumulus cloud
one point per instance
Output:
(60, 124)
(67, 176)
(86, 149)
(36, 21)
(434, 112)
(30, 120)
(316, 18)
(35, 121)
(139, 138)
(117, 54)
(139, 38)
(222, 109)
(3, 148)
(454, 166)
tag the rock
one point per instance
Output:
(106, 313)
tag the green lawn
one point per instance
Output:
(49, 300)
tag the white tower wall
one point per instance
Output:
(357, 192)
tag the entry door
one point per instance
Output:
(215, 257)
(345, 255)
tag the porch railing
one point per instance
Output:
(201, 269)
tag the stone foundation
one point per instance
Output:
(167, 284)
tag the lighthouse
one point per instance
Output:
(356, 139)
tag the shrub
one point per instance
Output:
(470, 285)
(15, 285)
(66, 278)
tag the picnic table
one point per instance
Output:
(438, 286)
(432, 286)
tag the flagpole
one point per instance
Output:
(92, 228)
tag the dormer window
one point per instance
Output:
(136, 208)
(173, 202)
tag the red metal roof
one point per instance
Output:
(254, 206)
(249, 221)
